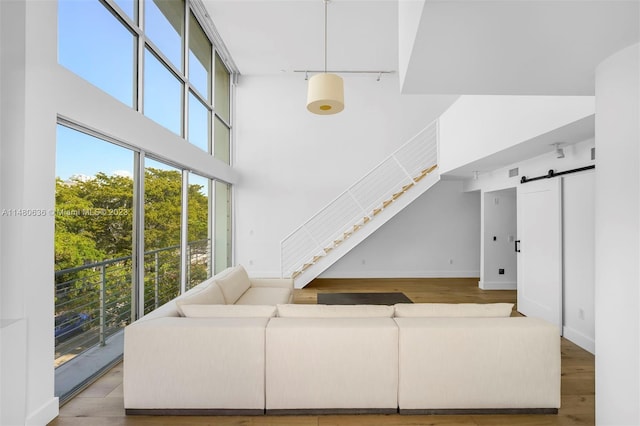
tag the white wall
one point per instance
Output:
(438, 235)
(499, 221)
(409, 17)
(578, 205)
(579, 247)
(494, 123)
(617, 239)
(292, 163)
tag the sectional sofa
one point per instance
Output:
(198, 358)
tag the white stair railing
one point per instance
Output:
(356, 206)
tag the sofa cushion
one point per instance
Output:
(335, 311)
(405, 310)
(234, 283)
(229, 311)
(265, 296)
(209, 295)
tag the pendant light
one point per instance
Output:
(325, 94)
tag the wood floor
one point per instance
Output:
(102, 403)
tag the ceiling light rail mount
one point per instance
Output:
(379, 73)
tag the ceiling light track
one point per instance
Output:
(379, 73)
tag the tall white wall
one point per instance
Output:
(617, 237)
(477, 126)
(292, 163)
(578, 224)
(498, 236)
(438, 235)
(409, 17)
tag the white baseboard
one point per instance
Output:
(45, 414)
(399, 274)
(585, 342)
(498, 285)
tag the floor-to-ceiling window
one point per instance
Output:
(157, 58)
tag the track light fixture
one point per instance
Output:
(559, 151)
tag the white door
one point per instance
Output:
(540, 250)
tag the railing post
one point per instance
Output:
(156, 280)
(103, 280)
(189, 260)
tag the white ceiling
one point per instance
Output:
(523, 47)
(274, 36)
(517, 47)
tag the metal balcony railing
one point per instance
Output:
(93, 301)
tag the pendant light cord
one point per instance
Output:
(325, 35)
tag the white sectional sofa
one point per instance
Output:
(293, 359)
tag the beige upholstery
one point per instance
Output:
(265, 296)
(188, 363)
(331, 363)
(449, 363)
(448, 310)
(335, 311)
(209, 294)
(234, 283)
(228, 311)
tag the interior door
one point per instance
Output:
(539, 247)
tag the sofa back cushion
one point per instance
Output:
(209, 295)
(234, 283)
(229, 311)
(335, 311)
(426, 310)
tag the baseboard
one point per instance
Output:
(400, 274)
(45, 414)
(466, 411)
(585, 342)
(498, 285)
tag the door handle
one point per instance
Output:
(517, 246)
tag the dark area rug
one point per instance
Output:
(362, 298)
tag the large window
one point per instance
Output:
(161, 48)
(134, 231)
(186, 238)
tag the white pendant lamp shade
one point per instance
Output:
(325, 94)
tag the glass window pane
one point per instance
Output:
(95, 45)
(199, 58)
(162, 227)
(198, 123)
(199, 240)
(164, 26)
(221, 138)
(222, 244)
(128, 7)
(93, 247)
(222, 102)
(162, 94)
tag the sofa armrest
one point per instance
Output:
(272, 282)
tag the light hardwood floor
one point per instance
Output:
(102, 403)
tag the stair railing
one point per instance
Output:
(357, 205)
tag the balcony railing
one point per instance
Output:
(93, 301)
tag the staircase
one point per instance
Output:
(363, 208)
